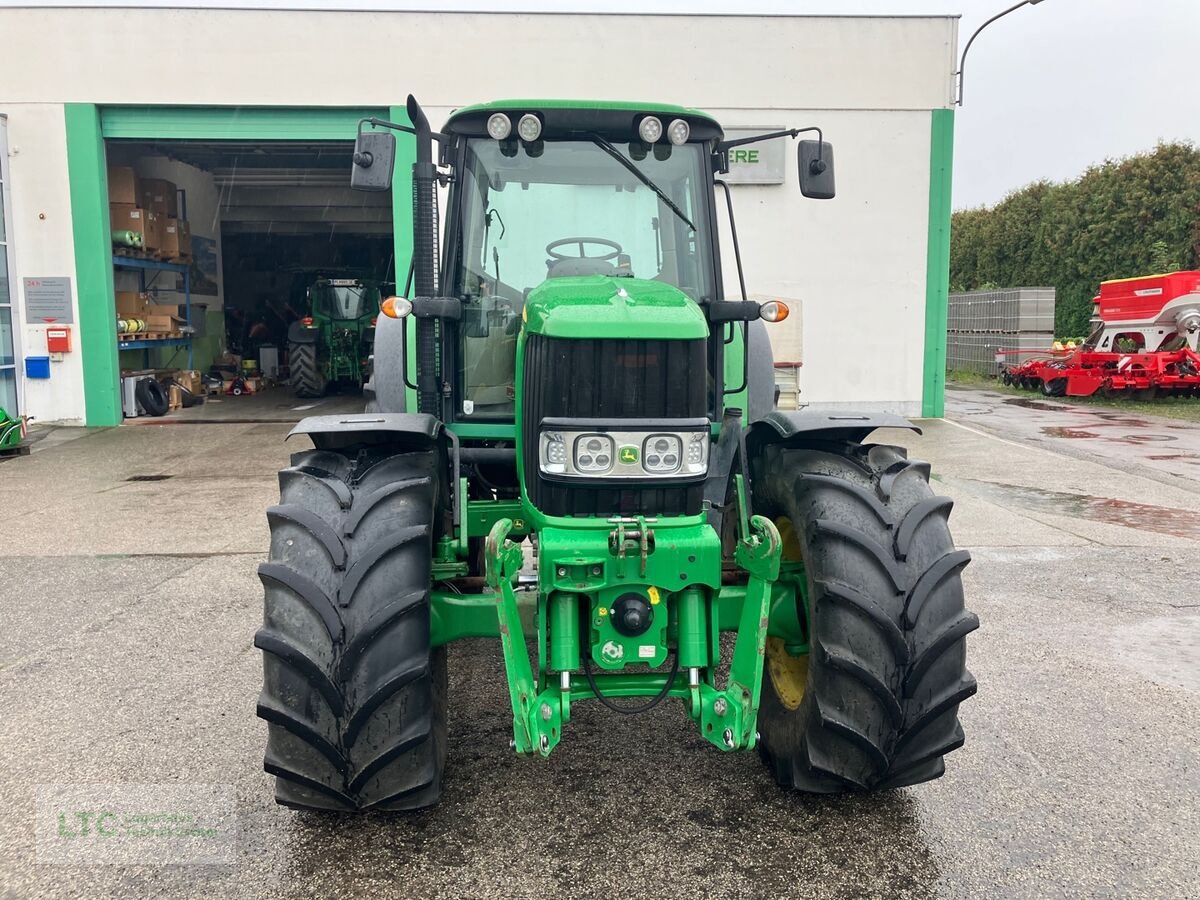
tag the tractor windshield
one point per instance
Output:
(568, 208)
(344, 301)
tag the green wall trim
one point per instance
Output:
(88, 181)
(88, 126)
(235, 122)
(937, 262)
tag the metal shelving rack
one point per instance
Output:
(142, 266)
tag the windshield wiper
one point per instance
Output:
(640, 176)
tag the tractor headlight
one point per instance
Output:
(593, 454)
(553, 452)
(623, 454)
(650, 129)
(499, 126)
(529, 127)
(678, 132)
(660, 453)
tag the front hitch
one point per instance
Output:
(537, 718)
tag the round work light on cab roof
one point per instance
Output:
(529, 127)
(678, 132)
(650, 129)
(499, 126)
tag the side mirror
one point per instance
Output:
(816, 169)
(374, 153)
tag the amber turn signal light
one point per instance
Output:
(396, 307)
(774, 311)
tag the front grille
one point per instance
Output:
(610, 379)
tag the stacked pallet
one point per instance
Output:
(139, 318)
(1017, 322)
(144, 216)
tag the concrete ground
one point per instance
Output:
(125, 656)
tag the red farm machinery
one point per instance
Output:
(1145, 342)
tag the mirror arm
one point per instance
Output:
(721, 156)
(755, 138)
(396, 126)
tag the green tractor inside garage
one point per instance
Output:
(330, 346)
(570, 376)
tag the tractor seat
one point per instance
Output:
(565, 268)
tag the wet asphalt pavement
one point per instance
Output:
(126, 657)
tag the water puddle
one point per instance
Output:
(1061, 431)
(1038, 404)
(1183, 523)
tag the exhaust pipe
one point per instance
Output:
(425, 260)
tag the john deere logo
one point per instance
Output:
(629, 455)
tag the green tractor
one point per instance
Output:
(569, 378)
(12, 433)
(331, 345)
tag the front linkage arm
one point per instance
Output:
(537, 719)
(729, 718)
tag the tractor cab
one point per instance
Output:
(575, 219)
(344, 301)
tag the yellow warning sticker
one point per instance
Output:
(653, 592)
(603, 611)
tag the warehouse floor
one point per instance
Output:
(276, 404)
(126, 657)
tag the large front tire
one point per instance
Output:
(354, 697)
(874, 705)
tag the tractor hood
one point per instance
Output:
(601, 306)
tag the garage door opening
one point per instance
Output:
(222, 251)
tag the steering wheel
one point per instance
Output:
(552, 248)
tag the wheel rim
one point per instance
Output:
(788, 674)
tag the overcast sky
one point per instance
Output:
(1050, 88)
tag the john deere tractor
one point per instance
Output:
(332, 344)
(573, 449)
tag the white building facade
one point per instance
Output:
(866, 272)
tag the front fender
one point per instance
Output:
(797, 426)
(299, 334)
(402, 430)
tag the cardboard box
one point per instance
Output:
(131, 303)
(152, 232)
(127, 217)
(158, 196)
(185, 239)
(170, 238)
(162, 323)
(122, 185)
(190, 379)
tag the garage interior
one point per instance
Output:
(255, 223)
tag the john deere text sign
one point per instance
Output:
(761, 163)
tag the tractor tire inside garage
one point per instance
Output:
(305, 374)
(874, 705)
(354, 696)
(152, 397)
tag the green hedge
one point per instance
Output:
(1135, 216)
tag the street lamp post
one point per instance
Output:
(963, 60)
